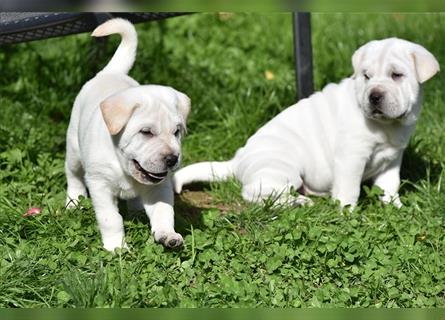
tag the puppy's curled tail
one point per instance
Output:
(202, 172)
(124, 57)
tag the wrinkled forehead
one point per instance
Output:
(381, 56)
(159, 96)
(158, 116)
(157, 107)
(157, 111)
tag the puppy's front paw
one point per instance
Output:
(397, 203)
(346, 204)
(168, 239)
(300, 201)
(394, 200)
(112, 244)
(74, 195)
(347, 208)
(71, 203)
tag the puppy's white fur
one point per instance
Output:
(335, 139)
(123, 141)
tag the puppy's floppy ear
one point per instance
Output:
(184, 104)
(357, 59)
(117, 110)
(425, 63)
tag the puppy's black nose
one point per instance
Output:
(376, 98)
(171, 160)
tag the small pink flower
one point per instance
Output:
(32, 212)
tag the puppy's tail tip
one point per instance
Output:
(202, 172)
(177, 184)
(124, 57)
(112, 26)
(100, 31)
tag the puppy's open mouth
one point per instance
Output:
(377, 114)
(402, 116)
(150, 176)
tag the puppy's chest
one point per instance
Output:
(126, 189)
(381, 157)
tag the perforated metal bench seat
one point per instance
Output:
(16, 27)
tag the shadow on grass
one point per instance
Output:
(190, 205)
(187, 214)
(415, 168)
(188, 209)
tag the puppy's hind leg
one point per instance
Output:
(261, 187)
(294, 201)
(74, 177)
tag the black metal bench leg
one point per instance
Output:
(303, 54)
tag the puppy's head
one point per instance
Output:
(388, 74)
(148, 123)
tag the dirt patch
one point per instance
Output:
(200, 200)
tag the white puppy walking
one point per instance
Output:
(332, 141)
(123, 141)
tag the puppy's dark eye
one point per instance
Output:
(396, 76)
(366, 76)
(178, 132)
(146, 132)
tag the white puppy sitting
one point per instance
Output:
(335, 139)
(123, 141)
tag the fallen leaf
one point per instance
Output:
(223, 16)
(32, 212)
(269, 75)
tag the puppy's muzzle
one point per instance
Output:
(376, 98)
(171, 160)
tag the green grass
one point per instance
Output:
(235, 254)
